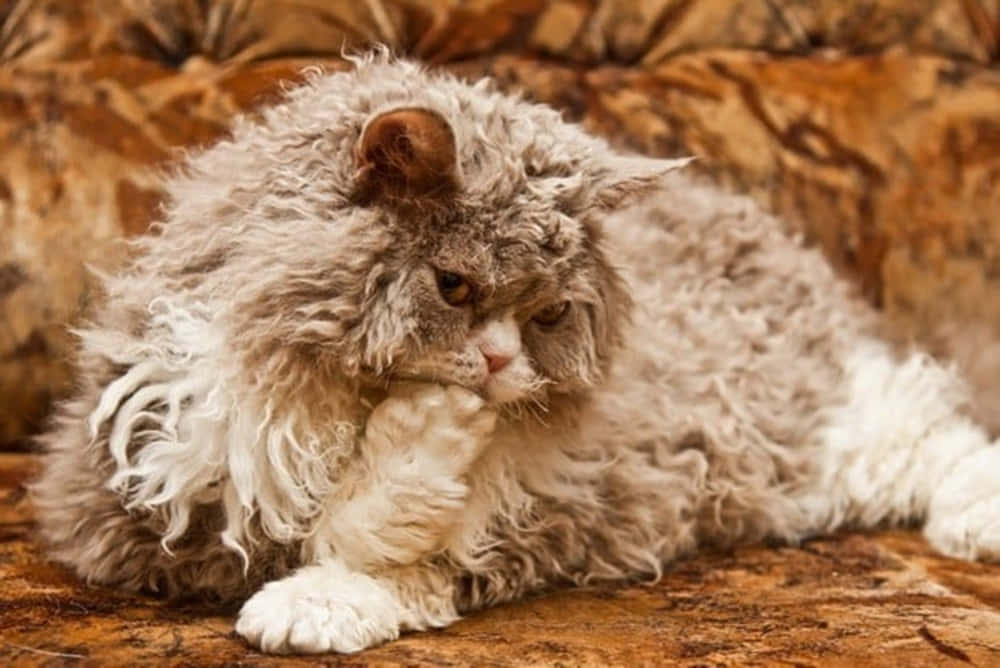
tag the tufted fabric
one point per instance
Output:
(871, 125)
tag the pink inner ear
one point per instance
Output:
(408, 152)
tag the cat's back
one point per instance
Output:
(693, 248)
(689, 233)
(731, 309)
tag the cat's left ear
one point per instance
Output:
(627, 178)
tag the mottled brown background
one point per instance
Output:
(873, 126)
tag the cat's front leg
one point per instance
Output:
(328, 607)
(368, 580)
(409, 489)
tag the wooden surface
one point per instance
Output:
(880, 599)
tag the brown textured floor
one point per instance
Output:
(880, 599)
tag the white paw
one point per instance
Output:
(971, 533)
(312, 612)
(451, 422)
(963, 519)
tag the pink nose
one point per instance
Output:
(496, 361)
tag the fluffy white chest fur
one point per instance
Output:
(408, 347)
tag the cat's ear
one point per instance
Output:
(407, 152)
(627, 178)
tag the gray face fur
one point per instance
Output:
(331, 266)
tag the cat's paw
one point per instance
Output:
(971, 533)
(963, 517)
(309, 613)
(450, 422)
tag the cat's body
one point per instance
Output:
(408, 346)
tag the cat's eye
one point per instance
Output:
(549, 170)
(551, 314)
(455, 289)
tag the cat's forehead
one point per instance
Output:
(522, 171)
(516, 245)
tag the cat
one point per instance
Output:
(404, 347)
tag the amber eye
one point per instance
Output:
(551, 314)
(454, 288)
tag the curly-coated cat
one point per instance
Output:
(404, 347)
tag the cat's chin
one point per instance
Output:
(497, 391)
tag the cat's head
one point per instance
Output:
(396, 224)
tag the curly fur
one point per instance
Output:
(276, 392)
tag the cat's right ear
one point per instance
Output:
(627, 178)
(407, 153)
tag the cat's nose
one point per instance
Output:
(496, 361)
